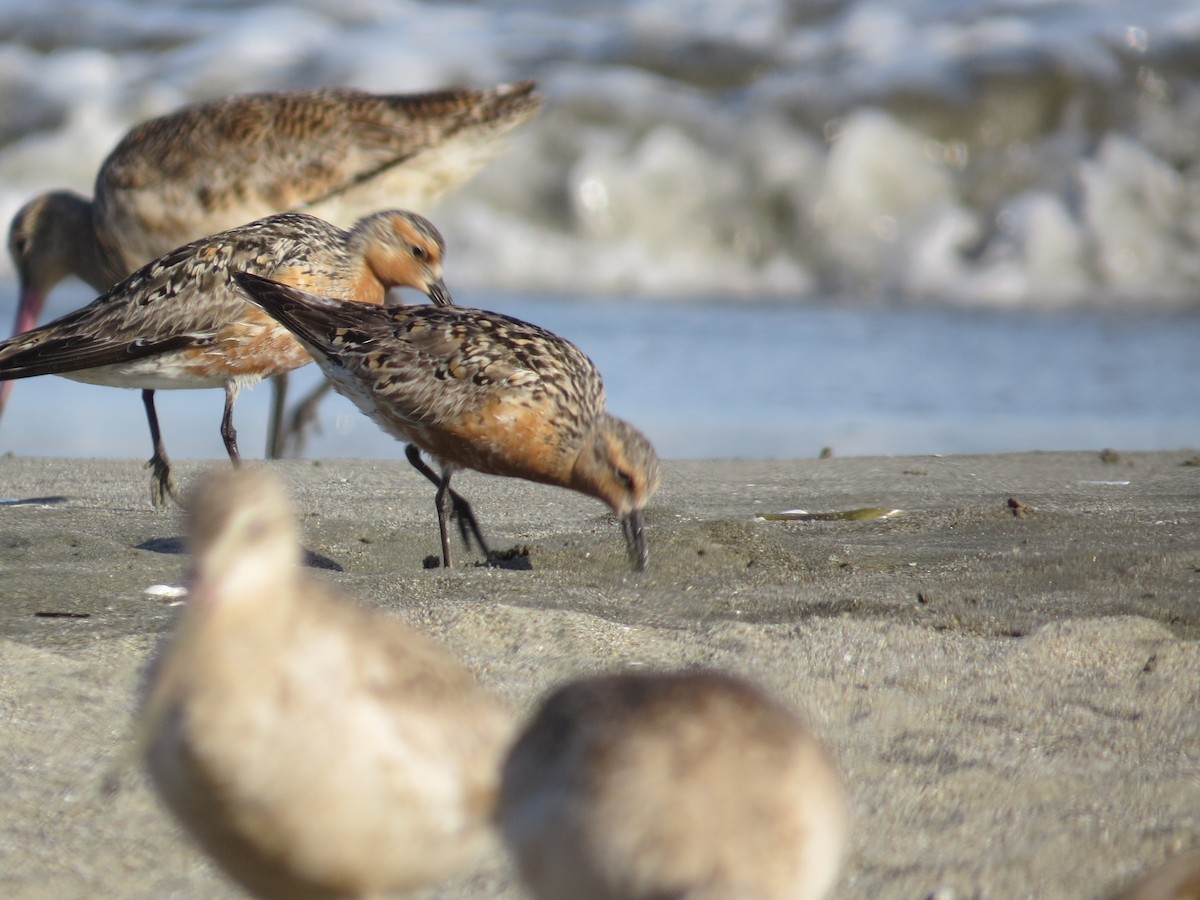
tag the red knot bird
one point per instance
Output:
(180, 322)
(691, 785)
(314, 747)
(336, 154)
(476, 390)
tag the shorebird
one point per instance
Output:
(476, 390)
(337, 154)
(312, 746)
(180, 322)
(694, 786)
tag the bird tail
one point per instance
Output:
(42, 352)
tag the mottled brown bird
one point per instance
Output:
(209, 167)
(692, 785)
(315, 748)
(180, 322)
(476, 390)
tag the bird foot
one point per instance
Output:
(162, 484)
(516, 558)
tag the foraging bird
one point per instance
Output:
(694, 785)
(315, 748)
(476, 390)
(336, 154)
(180, 322)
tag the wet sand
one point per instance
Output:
(1013, 693)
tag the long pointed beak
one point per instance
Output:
(634, 529)
(28, 310)
(437, 293)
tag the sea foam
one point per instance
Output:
(979, 154)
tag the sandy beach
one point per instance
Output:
(1008, 672)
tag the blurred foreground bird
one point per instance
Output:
(337, 154)
(180, 322)
(313, 747)
(476, 390)
(692, 786)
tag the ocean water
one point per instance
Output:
(746, 380)
(928, 226)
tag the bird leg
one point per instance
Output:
(440, 502)
(228, 432)
(162, 484)
(468, 525)
(276, 439)
(303, 418)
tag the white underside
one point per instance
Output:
(154, 375)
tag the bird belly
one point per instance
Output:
(242, 353)
(160, 373)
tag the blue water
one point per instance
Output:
(749, 380)
(746, 380)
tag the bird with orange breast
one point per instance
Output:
(181, 322)
(336, 154)
(476, 390)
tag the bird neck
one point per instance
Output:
(592, 474)
(76, 249)
(357, 278)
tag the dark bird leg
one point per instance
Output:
(162, 485)
(228, 432)
(443, 531)
(276, 439)
(468, 526)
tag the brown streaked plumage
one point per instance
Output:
(315, 748)
(476, 390)
(693, 786)
(337, 154)
(180, 322)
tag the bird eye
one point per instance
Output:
(419, 252)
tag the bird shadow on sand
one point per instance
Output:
(515, 559)
(177, 545)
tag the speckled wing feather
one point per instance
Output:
(429, 363)
(390, 130)
(73, 354)
(336, 137)
(152, 312)
(295, 150)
